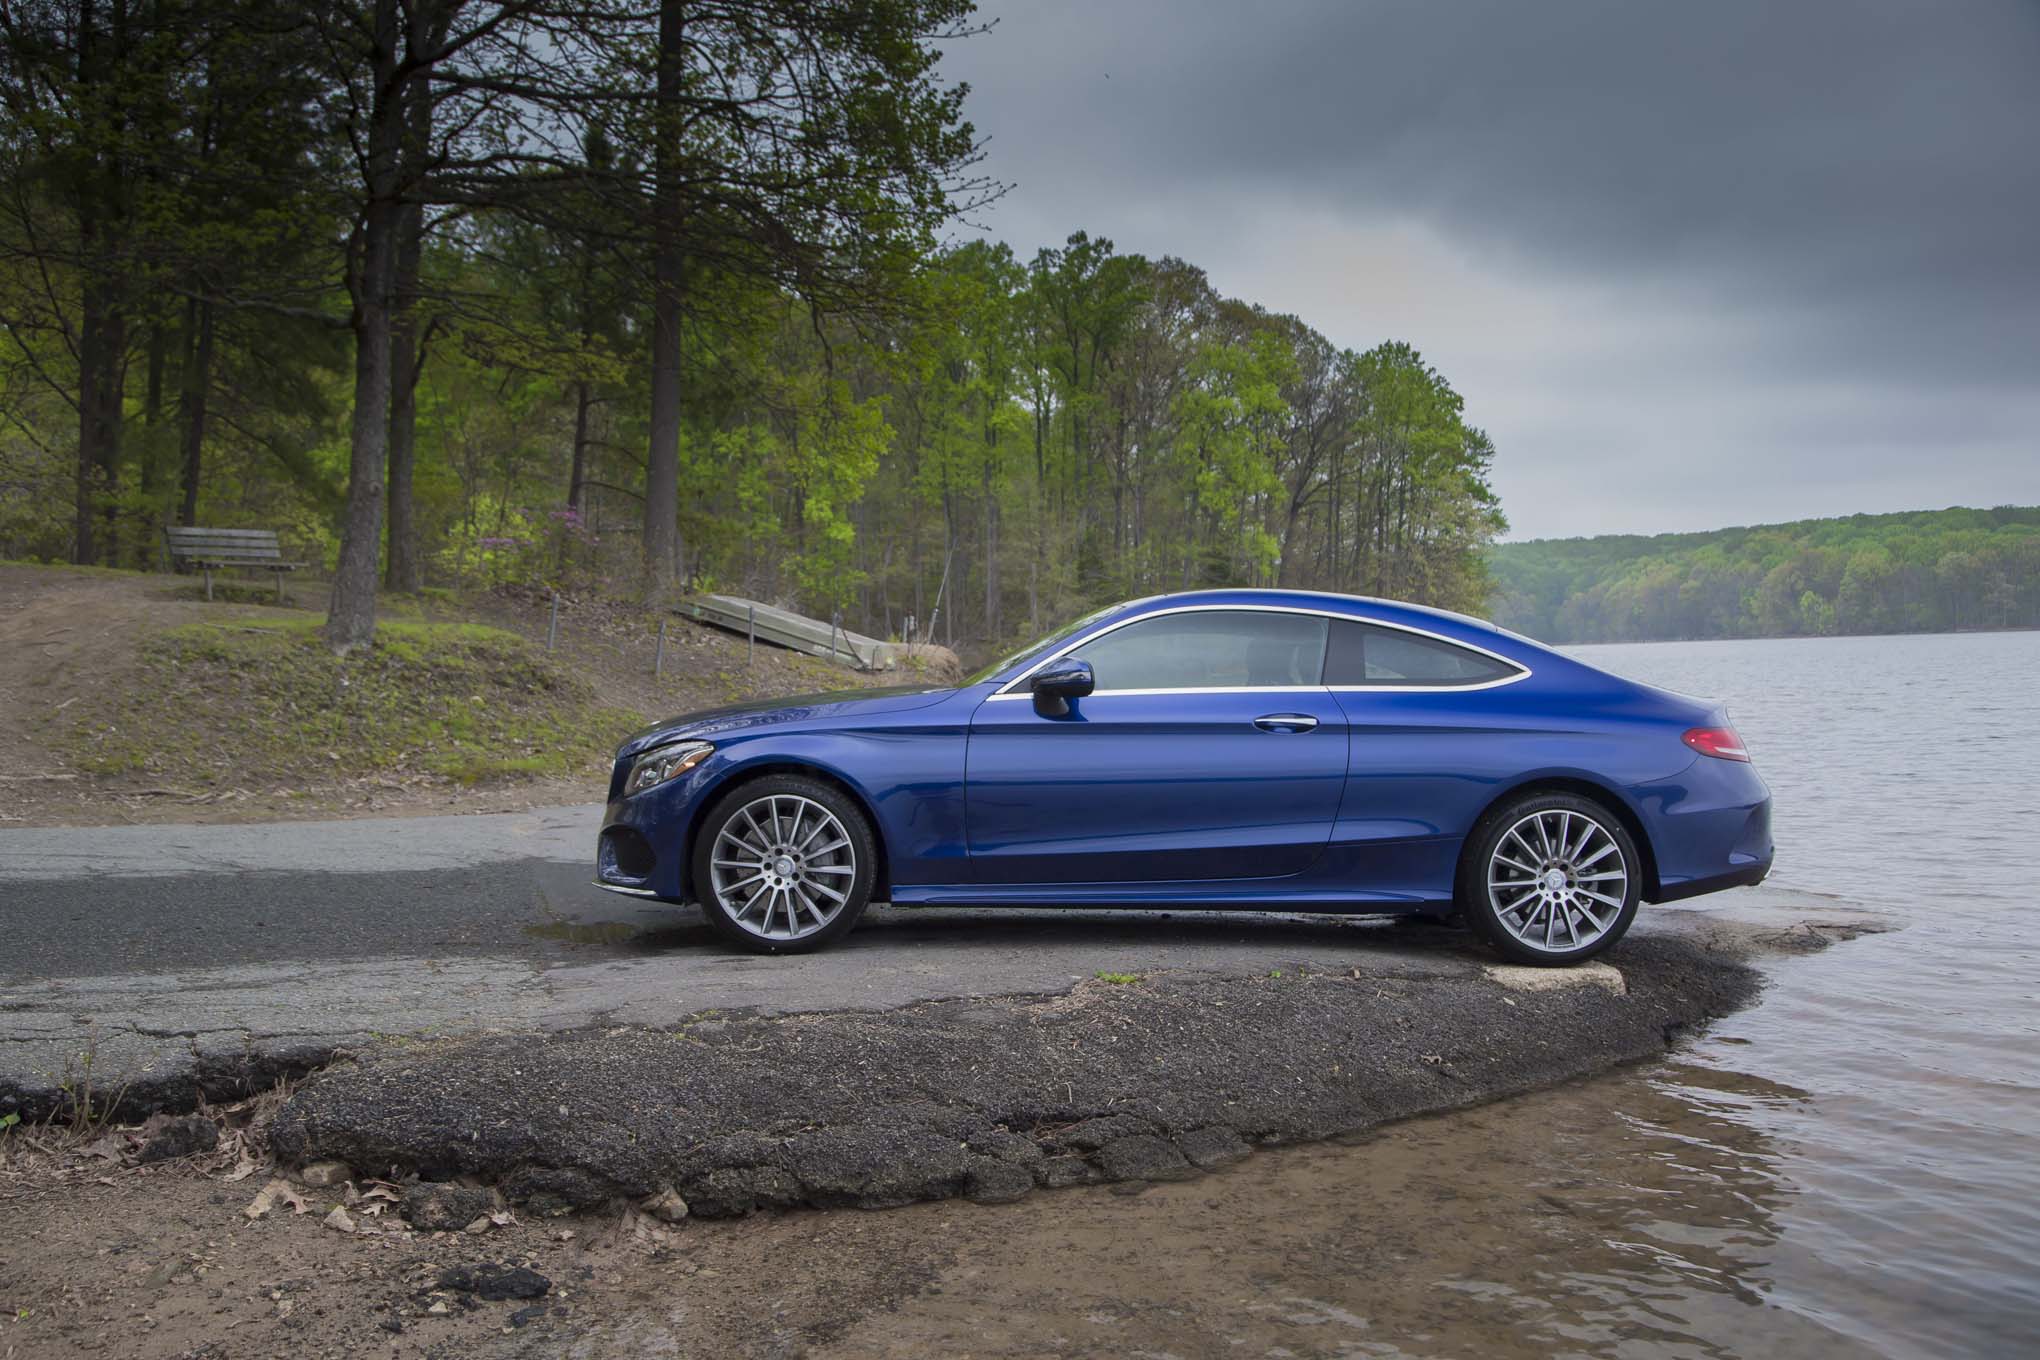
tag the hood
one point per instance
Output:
(709, 723)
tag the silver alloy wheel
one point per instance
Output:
(1557, 880)
(782, 867)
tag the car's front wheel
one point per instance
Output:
(784, 864)
(1550, 879)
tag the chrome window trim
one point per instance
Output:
(1522, 672)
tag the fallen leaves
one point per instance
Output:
(113, 1147)
(277, 1191)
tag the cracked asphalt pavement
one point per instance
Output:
(165, 962)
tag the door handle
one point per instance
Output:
(1286, 722)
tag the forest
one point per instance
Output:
(640, 297)
(1924, 571)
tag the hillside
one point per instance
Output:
(126, 697)
(1918, 571)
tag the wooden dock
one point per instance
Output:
(784, 628)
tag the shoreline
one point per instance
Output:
(992, 1097)
(568, 1155)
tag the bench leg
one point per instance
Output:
(208, 585)
(279, 585)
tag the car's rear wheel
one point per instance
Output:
(1550, 878)
(784, 864)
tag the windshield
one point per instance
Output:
(1049, 643)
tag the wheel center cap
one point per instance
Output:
(1554, 880)
(783, 866)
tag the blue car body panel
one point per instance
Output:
(1179, 798)
(1152, 787)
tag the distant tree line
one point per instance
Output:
(644, 295)
(1927, 571)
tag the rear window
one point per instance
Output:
(1367, 654)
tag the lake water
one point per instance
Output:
(1849, 1168)
(1877, 1116)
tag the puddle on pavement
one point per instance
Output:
(614, 934)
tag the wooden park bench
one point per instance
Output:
(212, 550)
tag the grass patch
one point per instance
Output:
(1118, 979)
(255, 700)
(76, 569)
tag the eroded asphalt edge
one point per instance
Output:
(847, 1077)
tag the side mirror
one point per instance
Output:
(1061, 682)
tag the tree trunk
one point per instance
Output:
(101, 333)
(197, 382)
(350, 620)
(577, 476)
(405, 571)
(152, 448)
(662, 457)
(102, 336)
(992, 623)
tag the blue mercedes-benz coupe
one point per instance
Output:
(1233, 749)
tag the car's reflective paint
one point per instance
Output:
(1178, 797)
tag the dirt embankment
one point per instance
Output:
(127, 697)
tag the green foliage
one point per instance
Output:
(982, 443)
(1922, 571)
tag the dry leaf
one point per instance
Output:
(112, 1147)
(278, 1191)
(247, 1167)
(339, 1221)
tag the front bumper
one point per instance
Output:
(643, 847)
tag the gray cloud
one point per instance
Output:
(1793, 247)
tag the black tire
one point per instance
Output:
(1508, 917)
(738, 812)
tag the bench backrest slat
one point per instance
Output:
(224, 545)
(198, 531)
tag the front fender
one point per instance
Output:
(908, 782)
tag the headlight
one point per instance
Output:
(662, 763)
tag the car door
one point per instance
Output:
(1209, 749)
(1430, 743)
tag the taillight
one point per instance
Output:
(1720, 742)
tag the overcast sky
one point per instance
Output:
(1689, 265)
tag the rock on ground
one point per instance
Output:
(180, 1137)
(495, 1283)
(445, 1208)
(880, 1108)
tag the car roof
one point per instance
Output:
(1361, 606)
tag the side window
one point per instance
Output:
(1364, 654)
(1210, 649)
